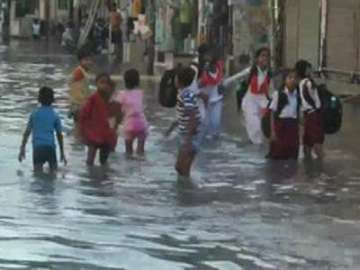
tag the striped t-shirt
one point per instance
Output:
(186, 105)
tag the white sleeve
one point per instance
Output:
(238, 76)
(274, 102)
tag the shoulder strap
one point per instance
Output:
(253, 71)
(282, 102)
(307, 96)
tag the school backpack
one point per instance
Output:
(168, 90)
(331, 110)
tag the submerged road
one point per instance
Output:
(247, 213)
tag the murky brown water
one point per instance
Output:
(246, 214)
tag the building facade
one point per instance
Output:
(48, 12)
(325, 32)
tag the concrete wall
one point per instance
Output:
(19, 27)
(302, 32)
(251, 29)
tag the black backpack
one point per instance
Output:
(168, 90)
(331, 110)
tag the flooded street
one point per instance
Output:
(246, 214)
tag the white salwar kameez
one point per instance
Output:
(253, 106)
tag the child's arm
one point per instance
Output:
(171, 128)
(273, 132)
(60, 139)
(204, 97)
(238, 76)
(27, 133)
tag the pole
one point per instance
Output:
(323, 33)
(151, 48)
(47, 18)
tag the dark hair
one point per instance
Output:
(204, 48)
(186, 76)
(107, 77)
(301, 67)
(284, 74)
(261, 50)
(283, 99)
(131, 78)
(83, 53)
(46, 96)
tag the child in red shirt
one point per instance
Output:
(95, 127)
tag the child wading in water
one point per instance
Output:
(132, 108)
(43, 122)
(285, 120)
(95, 117)
(314, 135)
(257, 95)
(209, 82)
(79, 86)
(188, 119)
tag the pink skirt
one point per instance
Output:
(135, 128)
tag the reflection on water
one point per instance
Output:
(246, 212)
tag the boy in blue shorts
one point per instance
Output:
(43, 122)
(188, 120)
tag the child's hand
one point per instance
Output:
(221, 89)
(204, 97)
(22, 154)
(63, 159)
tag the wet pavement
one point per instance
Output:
(246, 213)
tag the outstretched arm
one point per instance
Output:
(171, 128)
(238, 76)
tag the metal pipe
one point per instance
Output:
(323, 33)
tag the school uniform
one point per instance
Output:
(313, 126)
(286, 125)
(254, 104)
(211, 82)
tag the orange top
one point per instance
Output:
(78, 74)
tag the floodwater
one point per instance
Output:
(246, 213)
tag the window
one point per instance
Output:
(64, 4)
(24, 7)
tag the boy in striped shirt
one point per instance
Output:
(188, 119)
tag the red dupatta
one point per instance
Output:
(263, 89)
(207, 80)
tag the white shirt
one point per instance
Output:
(291, 109)
(261, 75)
(305, 106)
(36, 29)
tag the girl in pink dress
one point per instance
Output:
(135, 126)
